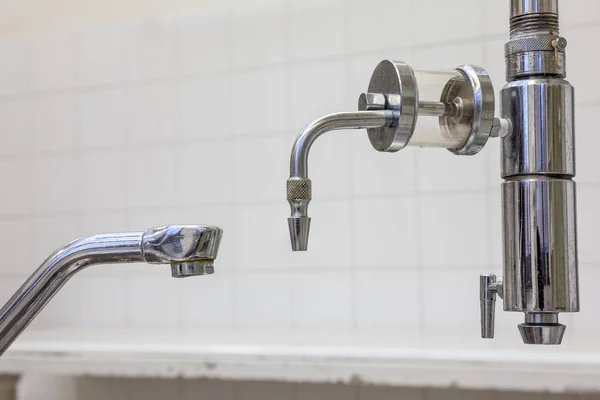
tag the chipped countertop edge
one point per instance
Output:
(292, 357)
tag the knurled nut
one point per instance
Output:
(535, 63)
(299, 189)
(532, 43)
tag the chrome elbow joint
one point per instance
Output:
(299, 186)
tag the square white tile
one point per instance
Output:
(257, 34)
(53, 61)
(85, 303)
(387, 299)
(581, 63)
(494, 64)
(494, 204)
(322, 300)
(317, 89)
(496, 15)
(586, 320)
(56, 183)
(101, 115)
(150, 47)
(262, 168)
(576, 12)
(262, 237)
(105, 221)
(258, 100)
(16, 178)
(203, 173)
(16, 235)
(587, 225)
(151, 113)
(462, 287)
(306, 42)
(381, 173)
(444, 17)
(51, 233)
(262, 301)
(588, 163)
(150, 177)
(454, 230)
(380, 24)
(203, 42)
(202, 110)
(449, 56)
(15, 120)
(386, 232)
(102, 185)
(146, 310)
(329, 165)
(207, 302)
(101, 56)
(54, 122)
(441, 171)
(16, 66)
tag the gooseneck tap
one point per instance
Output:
(189, 250)
(299, 186)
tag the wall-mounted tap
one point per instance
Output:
(189, 250)
(455, 110)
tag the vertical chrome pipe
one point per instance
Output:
(538, 165)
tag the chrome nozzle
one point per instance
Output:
(299, 194)
(542, 328)
(299, 230)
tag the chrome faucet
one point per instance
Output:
(536, 127)
(189, 249)
(538, 167)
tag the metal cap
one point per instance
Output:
(181, 243)
(542, 328)
(395, 79)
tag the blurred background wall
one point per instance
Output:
(123, 115)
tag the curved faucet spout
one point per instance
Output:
(189, 249)
(299, 186)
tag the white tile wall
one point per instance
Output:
(190, 118)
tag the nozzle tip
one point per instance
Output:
(540, 328)
(299, 229)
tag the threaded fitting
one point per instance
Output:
(534, 24)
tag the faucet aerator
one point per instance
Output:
(192, 268)
(299, 230)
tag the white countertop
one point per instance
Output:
(398, 358)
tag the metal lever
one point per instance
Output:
(489, 287)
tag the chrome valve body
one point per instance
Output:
(538, 165)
